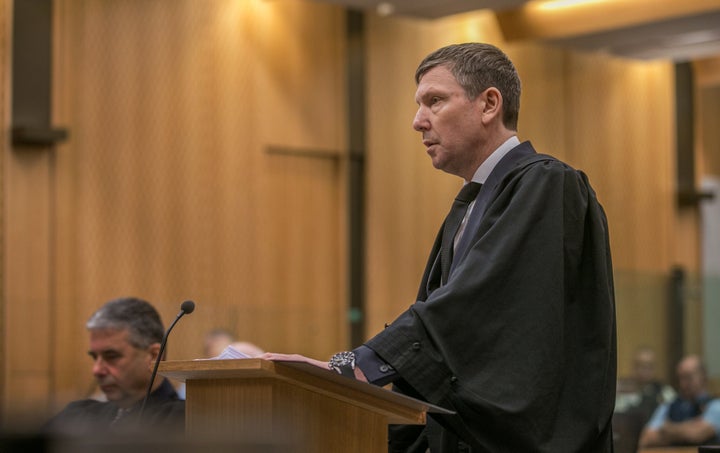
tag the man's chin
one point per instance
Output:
(112, 397)
(442, 164)
(113, 394)
(438, 164)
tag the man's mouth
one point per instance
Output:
(107, 387)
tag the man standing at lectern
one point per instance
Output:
(513, 327)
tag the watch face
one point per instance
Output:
(341, 359)
(343, 363)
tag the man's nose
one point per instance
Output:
(99, 367)
(420, 122)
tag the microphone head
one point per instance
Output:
(187, 307)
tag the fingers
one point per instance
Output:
(283, 357)
(276, 357)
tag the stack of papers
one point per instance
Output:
(229, 353)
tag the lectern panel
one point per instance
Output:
(291, 406)
(266, 411)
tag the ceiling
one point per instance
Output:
(680, 30)
(681, 39)
(427, 9)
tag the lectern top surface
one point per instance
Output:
(310, 377)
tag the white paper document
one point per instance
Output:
(229, 353)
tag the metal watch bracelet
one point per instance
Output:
(343, 363)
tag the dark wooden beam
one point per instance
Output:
(32, 75)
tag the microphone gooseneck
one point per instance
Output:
(186, 308)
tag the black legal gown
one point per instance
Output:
(520, 342)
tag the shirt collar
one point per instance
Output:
(484, 170)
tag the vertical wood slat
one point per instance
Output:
(5, 40)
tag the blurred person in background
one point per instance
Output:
(692, 418)
(215, 341)
(643, 392)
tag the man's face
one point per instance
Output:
(121, 370)
(645, 367)
(451, 124)
(691, 381)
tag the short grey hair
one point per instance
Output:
(477, 67)
(138, 316)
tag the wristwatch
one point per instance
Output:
(343, 363)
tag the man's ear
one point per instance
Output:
(492, 104)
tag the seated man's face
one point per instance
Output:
(691, 380)
(645, 367)
(121, 370)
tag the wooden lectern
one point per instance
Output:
(295, 406)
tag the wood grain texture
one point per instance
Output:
(308, 408)
(166, 190)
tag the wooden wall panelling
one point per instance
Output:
(166, 190)
(402, 198)
(708, 111)
(302, 106)
(26, 252)
(5, 109)
(28, 324)
(621, 132)
(707, 72)
(69, 377)
(543, 76)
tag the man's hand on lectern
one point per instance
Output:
(273, 356)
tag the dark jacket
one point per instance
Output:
(163, 411)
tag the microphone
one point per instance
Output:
(186, 308)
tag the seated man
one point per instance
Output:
(642, 393)
(692, 418)
(125, 338)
